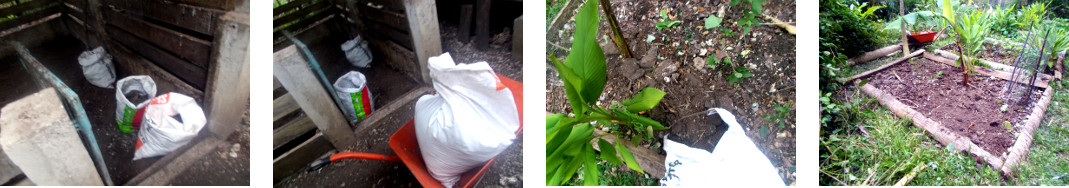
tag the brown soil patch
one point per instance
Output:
(934, 89)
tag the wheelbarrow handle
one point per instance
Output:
(320, 163)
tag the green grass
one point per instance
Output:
(553, 8)
(893, 147)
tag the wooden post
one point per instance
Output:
(227, 94)
(901, 13)
(465, 23)
(517, 38)
(563, 16)
(482, 25)
(295, 75)
(427, 41)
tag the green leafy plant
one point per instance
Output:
(666, 22)
(749, 17)
(969, 29)
(864, 12)
(782, 116)
(738, 73)
(570, 138)
(1005, 21)
(1031, 15)
(1057, 42)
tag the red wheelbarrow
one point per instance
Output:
(924, 37)
(404, 144)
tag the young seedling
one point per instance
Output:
(666, 22)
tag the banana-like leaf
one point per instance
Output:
(590, 166)
(572, 84)
(586, 58)
(628, 157)
(644, 100)
(608, 153)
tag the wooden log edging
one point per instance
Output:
(885, 66)
(1023, 143)
(1005, 75)
(940, 133)
(875, 54)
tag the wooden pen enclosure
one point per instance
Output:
(197, 48)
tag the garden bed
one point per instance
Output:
(928, 91)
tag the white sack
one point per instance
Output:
(735, 162)
(161, 132)
(356, 52)
(469, 121)
(97, 67)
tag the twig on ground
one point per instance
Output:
(913, 173)
(833, 177)
(790, 28)
(558, 46)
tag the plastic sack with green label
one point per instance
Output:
(132, 94)
(353, 96)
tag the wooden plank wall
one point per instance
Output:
(405, 32)
(175, 37)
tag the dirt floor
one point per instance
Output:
(935, 90)
(60, 56)
(228, 165)
(675, 63)
(506, 171)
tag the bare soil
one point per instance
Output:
(675, 63)
(972, 111)
(990, 52)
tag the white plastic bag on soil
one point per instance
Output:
(735, 162)
(470, 120)
(171, 121)
(133, 94)
(356, 52)
(352, 94)
(97, 67)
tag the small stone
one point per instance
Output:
(703, 51)
(699, 63)
(648, 59)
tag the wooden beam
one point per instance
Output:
(132, 64)
(563, 17)
(378, 116)
(80, 4)
(885, 66)
(293, 72)
(171, 165)
(219, 4)
(187, 71)
(289, 6)
(185, 46)
(1040, 81)
(427, 41)
(517, 38)
(397, 36)
(291, 130)
(299, 156)
(397, 56)
(393, 5)
(302, 13)
(389, 18)
(482, 24)
(304, 24)
(194, 18)
(27, 18)
(23, 7)
(465, 23)
(227, 94)
(284, 105)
